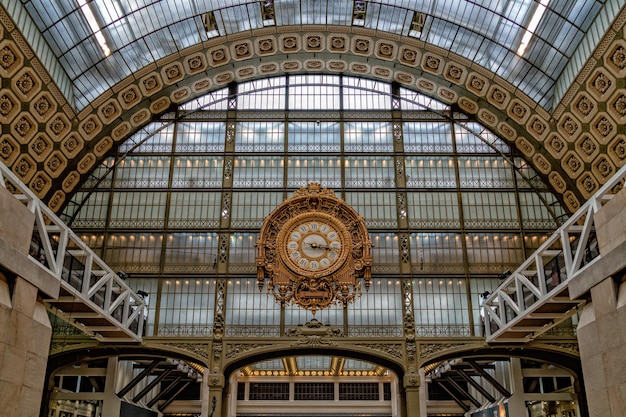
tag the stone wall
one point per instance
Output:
(602, 326)
(25, 330)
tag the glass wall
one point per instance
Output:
(448, 205)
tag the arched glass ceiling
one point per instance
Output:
(100, 42)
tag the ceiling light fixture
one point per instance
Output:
(93, 24)
(532, 26)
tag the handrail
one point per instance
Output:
(93, 283)
(543, 278)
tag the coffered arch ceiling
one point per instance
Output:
(576, 146)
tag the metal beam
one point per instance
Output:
(138, 378)
(151, 385)
(477, 386)
(97, 383)
(163, 392)
(455, 397)
(169, 400)
(463, 392)
(489, 379)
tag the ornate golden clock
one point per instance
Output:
(313, 250)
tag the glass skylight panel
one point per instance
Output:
(339, 12)
(120, 33)
(312, 13)
(481, 32)
(143, 21)
(67, 33)
(357, 365)
(466, 42)
(216, 100)
(87, 88)
(288, 13)
(387, 18)
(133, 57)
(412, 100)
(239, 18)
(317, 97)
(561, 35)
(271, 365)
(313, 363)
(273, 99)
(161, 43)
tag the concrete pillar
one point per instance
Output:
(602, 326)
(423, 395)
(25, 334)
(111, 402)
(205, 407)
(412, 395)
(602, 344)
(517, 405)
(25, 330)
(217, 404)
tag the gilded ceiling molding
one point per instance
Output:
(240, 351)
(576, 148)
(63, 345)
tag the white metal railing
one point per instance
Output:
(516, 305)
(93, 297)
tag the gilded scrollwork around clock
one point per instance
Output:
(314, 250)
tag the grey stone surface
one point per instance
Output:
(610, 223)
(17, 228)
(602, 344)
(24, 347)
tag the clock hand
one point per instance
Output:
(316, 245)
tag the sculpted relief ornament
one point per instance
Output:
(314, 251)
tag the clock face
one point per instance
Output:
(314, 244)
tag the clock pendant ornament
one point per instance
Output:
(314, 251)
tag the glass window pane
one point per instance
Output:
(190, 252)
(200, 137)
(485, 172)
(314, 137)
(249, 208)
(142, 172)
(430, 172)
(258, 172)
(302, 170)
(437, 252)
(242, 252)
(198, 209)
(433, 210)
(370, 172)
(250, 312)
(138, 209)
(197, 172)
(441, 307)
(377, 208)
(260, 137)
(487, 210)
(186, 309)
(368, 137)
(427, 137)
(379, 310)
(493, 252)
